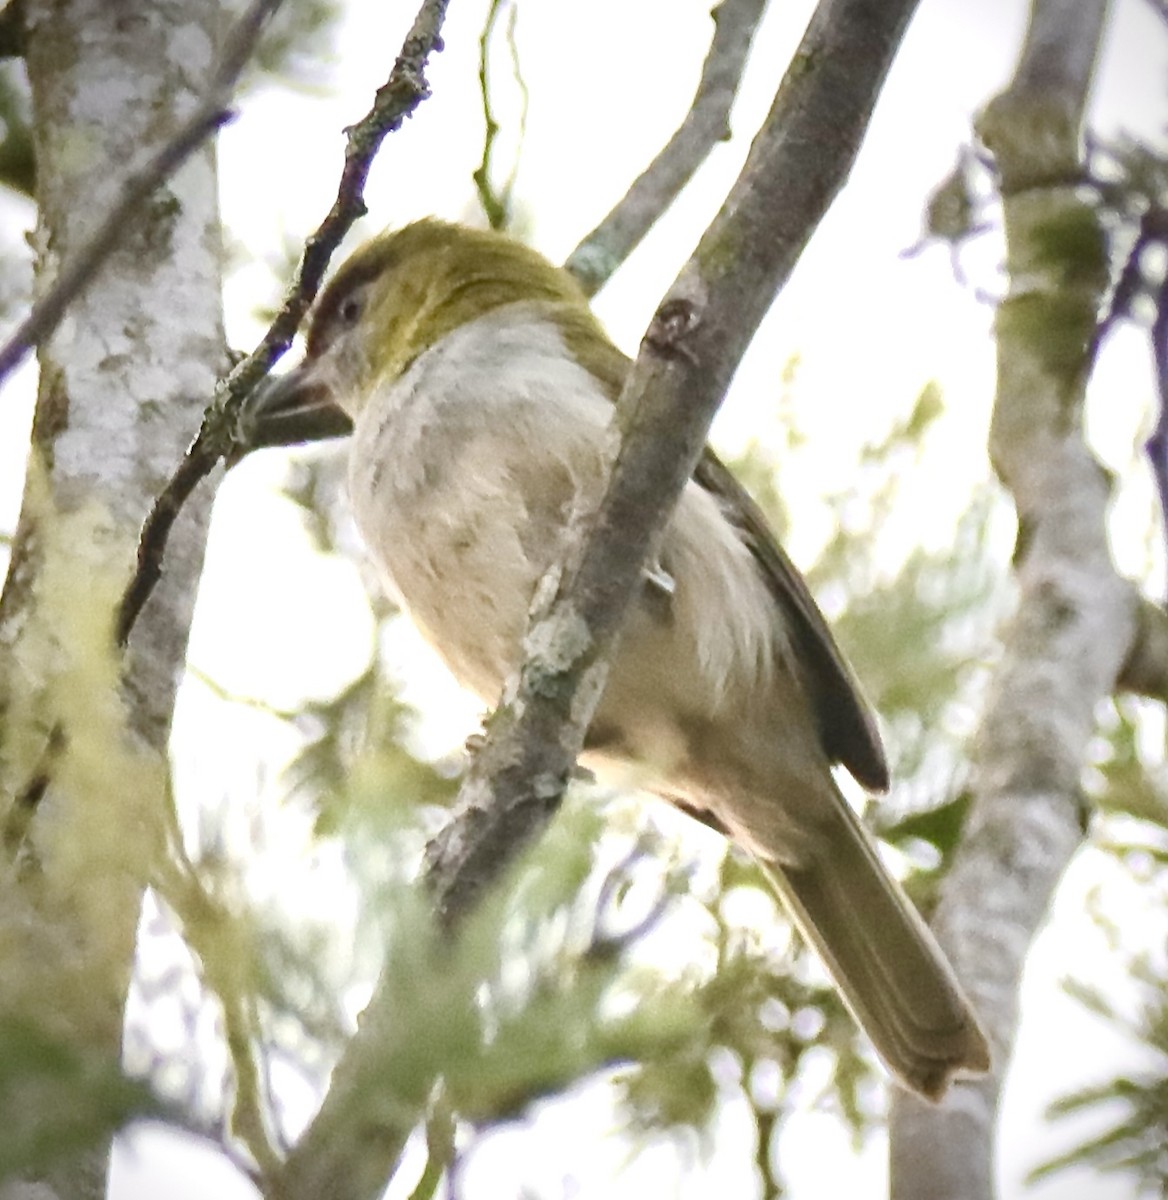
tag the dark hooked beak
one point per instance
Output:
(286, 410)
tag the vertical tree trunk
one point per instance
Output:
(1075, 620)
(123, 383)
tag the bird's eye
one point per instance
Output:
(350, 311)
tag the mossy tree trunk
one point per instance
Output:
(123, 382)
(1075, 624)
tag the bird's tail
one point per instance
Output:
(893, 976)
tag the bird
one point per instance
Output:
(478, 387)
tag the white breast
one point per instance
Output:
(464, 474)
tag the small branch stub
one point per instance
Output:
(670, 331)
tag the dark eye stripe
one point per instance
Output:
(351, 278)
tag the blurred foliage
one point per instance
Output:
(297, 47)
(1131, 1107)
(1130, 181)
(765, 1001)
(17, 164)
(58, 1099)
(273, 982)
(358, 752)
(356, 748)
(1128, 786)
(954, 210)
(913, 636)
(1128, 777)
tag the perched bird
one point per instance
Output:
(478, 385)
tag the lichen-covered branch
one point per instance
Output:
(688, 355)
(219, 434)
(114, 403)
(706, 124)
(1075, 626)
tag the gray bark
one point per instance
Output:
(123, 383)
(1075, 625)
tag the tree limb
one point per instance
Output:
(687, 358)
(1075, 623)
(212, 112)
(706, 124)
(395, 100)
(111, 407)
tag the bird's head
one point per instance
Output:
(397, 296)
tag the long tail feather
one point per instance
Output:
(887, 964)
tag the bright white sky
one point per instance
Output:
(608, 81)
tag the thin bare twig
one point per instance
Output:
(608, 940)
(395, 100)
(706, 124)
(78, 270)
(496, 205)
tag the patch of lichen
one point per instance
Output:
(1054, 330)
(1071, 247)
(720, 250)
(89, 844)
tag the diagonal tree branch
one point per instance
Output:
(1075, 626)
(212, 112)
(686, 361)
(706, 124)
(396, 99)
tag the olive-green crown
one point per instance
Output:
(433, 277)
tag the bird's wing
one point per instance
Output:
(847, 728)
